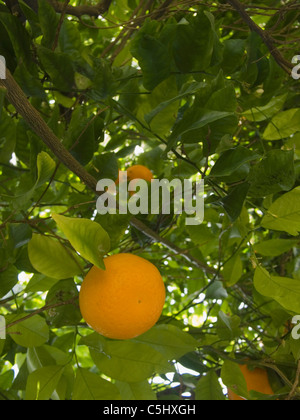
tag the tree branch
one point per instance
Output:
(265, 36)
(79, 11)
(18, 99)
(176, 250)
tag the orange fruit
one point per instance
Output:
(139, 172)
(124, 300)
(256, 380)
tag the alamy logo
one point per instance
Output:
(186, 196)
(2, 68)
(296, 69)
(2, 328)
(296, 329)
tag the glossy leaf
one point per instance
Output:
(233, 378)
(283, 217)
(90, 386)
(274, 247)
(274, 173)
(168, 340)
(87, 237)
(283, 125)
(231, 160)
(42, 382)
(209, 389)
(285, 291)
(49, 257)
(129, 361)
(30, 332)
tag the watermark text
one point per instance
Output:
(296, 69)
(161, 196)
(2, 328)
(2, 67)
(296, 329)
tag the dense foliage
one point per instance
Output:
(187, 89)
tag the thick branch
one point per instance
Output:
(265, 36)
(18, 99)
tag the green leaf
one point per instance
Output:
(90, 386)
(285, 291)
(283, 125)
(275, 247)
(104, 84)
(129, 361)
(194, 119)
(169, 340)
(45, 169)
(283, 217)
(163, 118)
(69, 39)
(231, 160)
(152, 54)
(216, 290)
(49, 257)
(59, 67)
(42, 382)
(208, 388)
(86, 236)
(19, 38)
(233, 55)
(48, 20)
(233, 270)
(267, 111)
(186, 90)
(233, 378)
(40, 283)
(30, 332)
(7, 137)
(45, 355)
(204, 237)
(233, 202)
(193, 43)
(228, 326)
(131, 391)
(274, 173)
(66, 314)
(106, 166)
(80, 137)
(115, 225)
(6, 379)
(8, 279)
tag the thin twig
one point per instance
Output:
(265, 36)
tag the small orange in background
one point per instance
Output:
(256, 380)
(138, 172)
(125, 300)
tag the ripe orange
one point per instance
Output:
(125, 300)
(256, 379)
(139, 172)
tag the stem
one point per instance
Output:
(43, 309)
(265, 36)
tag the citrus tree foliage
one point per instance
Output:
(187, 89)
